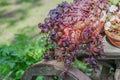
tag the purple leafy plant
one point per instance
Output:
(73, 27)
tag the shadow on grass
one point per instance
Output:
(11, 2)
(14, 16)
(27, 1)
(4, 3)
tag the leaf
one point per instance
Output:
(4, 69)
(19, 74)
(2, 60)
(89, 74)
(40, 78)
(12, 65)
(82, 66)
(89, 70)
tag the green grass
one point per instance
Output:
(17, 15)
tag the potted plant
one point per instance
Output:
(112, 25)
(75, 27)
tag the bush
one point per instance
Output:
(23, 52)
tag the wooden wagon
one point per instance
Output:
(50, 68)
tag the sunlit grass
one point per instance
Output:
(18, 28)
(15, 17)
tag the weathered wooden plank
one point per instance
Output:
(111, 52)
(104, 73)
(109, 48)
(117, 74)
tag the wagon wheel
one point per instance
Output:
(50, 68)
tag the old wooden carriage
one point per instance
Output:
(50, 68)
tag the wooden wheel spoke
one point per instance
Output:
(55, 68)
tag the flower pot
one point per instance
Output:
(114, 38)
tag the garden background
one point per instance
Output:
(21, 43)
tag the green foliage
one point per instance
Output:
(23, 52)
(83, 67)
(114, 2)
(4, 2)
(40, 78)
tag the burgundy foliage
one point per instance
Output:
(72, 26)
